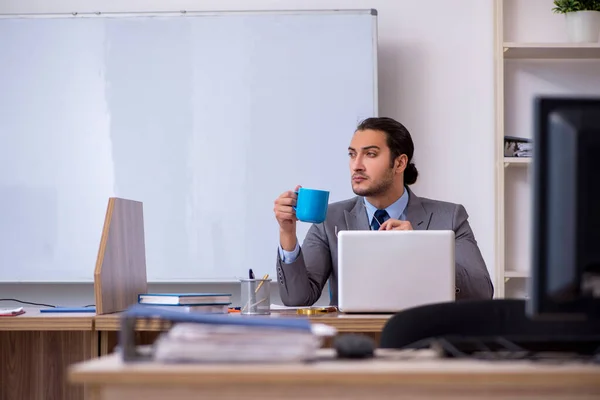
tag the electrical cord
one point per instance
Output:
(39, 304)
(29, 303)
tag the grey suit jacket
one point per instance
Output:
(301, 282)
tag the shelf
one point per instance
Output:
(517, 161)
(516, 274)
(562, 51)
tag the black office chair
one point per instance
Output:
(487, 328)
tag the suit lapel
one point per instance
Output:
(416, 214)
(356, 219)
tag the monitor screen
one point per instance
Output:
(565, 281)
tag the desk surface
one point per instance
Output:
(342, 322)
(33, 320)
(390, 367)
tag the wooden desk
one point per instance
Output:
(108, 325)
(36, 349)
(397, 375)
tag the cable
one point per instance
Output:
(40, 304)
(29, 302)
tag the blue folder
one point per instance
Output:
(147, 311)
(69, 310)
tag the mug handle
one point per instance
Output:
(294, 207)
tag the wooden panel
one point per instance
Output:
(112, 322)
(34, 320)
(120, 273)
(110, 339)
(324, 390)
(34, 364)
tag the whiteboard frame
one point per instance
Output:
(183, 14)
(186, 13)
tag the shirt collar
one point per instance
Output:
(394, 210)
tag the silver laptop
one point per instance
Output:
(389, 271)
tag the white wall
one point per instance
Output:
(436, 77)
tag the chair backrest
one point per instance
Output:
(475, 318)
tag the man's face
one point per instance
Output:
(370, 168)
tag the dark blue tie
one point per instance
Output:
(380, 216)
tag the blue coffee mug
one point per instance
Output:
(311, 205)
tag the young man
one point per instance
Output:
(380, 155)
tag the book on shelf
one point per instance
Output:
(517, 147)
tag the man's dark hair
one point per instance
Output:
(398, 140)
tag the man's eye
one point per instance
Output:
(370, 154)
(351, 155)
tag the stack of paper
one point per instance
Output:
(228, 338)
(279, 307)
(189, 342)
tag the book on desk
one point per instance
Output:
(209, 303)
(184, 298)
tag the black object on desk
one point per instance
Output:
(490, 329)
(354, 345)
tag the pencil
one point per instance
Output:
(261, 283)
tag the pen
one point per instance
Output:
(261, 283)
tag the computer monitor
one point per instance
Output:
(565, 281)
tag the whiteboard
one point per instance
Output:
(204, 117)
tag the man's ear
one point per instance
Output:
(401, 163)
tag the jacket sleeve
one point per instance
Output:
(472, 277)
(301, 282)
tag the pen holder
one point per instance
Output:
(255, 296)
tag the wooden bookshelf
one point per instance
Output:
(517, 161)
(511, 47)
(559, 51)
(516, 274)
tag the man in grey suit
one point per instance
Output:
(380, 156)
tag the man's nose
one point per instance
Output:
(357, 164)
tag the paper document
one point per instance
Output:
(9, 312)
(277, 307)
(191, 342)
